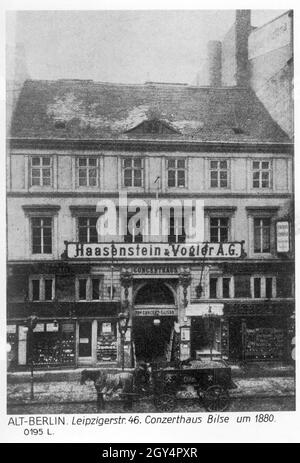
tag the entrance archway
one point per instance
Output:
(153, 321)
(154, 292)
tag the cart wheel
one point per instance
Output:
(165, 402)
(216, 399)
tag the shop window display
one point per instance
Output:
(106, 342)
(13, 346)
(54, 344)
(258, 339)
(264, 344)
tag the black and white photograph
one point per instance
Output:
(150, 219)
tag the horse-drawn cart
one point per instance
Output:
(208, 380)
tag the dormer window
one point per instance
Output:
(153, 127)
(238, 130)
(60, 124)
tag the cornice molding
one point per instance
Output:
(157, 145)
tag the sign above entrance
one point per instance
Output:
(204, 310)
(155, 312)
(155, 251)
(155, 270)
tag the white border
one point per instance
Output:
(286, 427)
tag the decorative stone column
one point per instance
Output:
(126, 281)
(184, 281)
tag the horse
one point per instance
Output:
(106, 383)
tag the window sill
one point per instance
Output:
(262, 255)
(222, 188)
(42, 300)
(261, 190)
(177, 188)
(89, 300)
(40, 188)
(42, 256)
(88, 188)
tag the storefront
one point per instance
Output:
(240, 331)
(205, 337)
(81, 338)
(168, 313)
(54, 344)
(97, 341)
(208, 330)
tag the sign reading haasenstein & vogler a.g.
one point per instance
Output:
(153, 250)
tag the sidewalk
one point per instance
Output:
(262, 369)
(73, 391)
(252, 370)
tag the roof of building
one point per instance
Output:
(83, 109)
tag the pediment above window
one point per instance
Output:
(40, 209)
(87, 210)
(153, 127)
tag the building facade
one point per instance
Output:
(75, 143)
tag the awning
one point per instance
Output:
(204, 310)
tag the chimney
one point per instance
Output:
(242, 31)
(214, 51)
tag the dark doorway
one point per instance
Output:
(206, 336)
(235, 339)
(152, 341)
(85, 339)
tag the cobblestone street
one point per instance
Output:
(250, 394)
(184, 406)
(72, 391)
